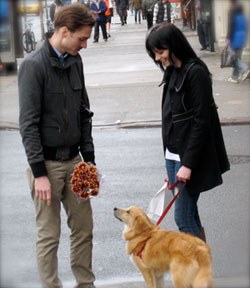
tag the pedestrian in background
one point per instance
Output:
(162, 12)
(137, 5)
(202, 27)
(236, 38)
(98, 8)
(109, 15)
(148, 7)
(54, 7)
(192, 138)
(122, 7)
(1, 65)
(55, 125)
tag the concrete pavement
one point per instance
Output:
(122, 83)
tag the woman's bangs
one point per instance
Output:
(155, 41)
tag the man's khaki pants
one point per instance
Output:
(48, 221)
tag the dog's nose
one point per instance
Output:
(115, 209)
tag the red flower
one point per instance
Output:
(84, 194)
(85, 180)
(94, 192)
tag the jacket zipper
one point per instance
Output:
(65, 112)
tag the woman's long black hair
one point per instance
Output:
(168, 36)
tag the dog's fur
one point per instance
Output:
(187, 257)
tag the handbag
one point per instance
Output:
(159, 202)
(228, 57)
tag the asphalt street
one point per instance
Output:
(132, 161)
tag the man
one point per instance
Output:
(122, 7)
(162, 12)
(148, 7)
(55, 124)
(98, 8)
(202, 27)
(237, 38)
(54, 7)
(137, 5)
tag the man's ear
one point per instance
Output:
(64, 31)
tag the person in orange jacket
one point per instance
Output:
(108, 14)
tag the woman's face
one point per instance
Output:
(162, 55)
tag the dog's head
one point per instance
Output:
(136, 220)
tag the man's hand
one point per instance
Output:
(184, 174)
(43, 189)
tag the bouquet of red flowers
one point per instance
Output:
(85, 180)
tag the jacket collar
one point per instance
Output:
(54, 59)
(183, 72)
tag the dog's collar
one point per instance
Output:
(139, 254)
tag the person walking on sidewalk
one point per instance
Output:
(98, 8)
(192, 138)
(122, 7)
(54, 7)
(236, 38)
(136, 4)
(162, 12)
(109, 15)
(55, 125)
(148, 7)
(202, 27)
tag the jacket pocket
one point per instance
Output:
(51, 135)
(182, 126)
(186, 116)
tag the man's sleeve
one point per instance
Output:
(86, 143)
(103, 7)
(30, 98)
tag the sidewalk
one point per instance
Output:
(123, 65)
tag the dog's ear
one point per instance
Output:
(141, 224)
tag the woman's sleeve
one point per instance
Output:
(200, 92)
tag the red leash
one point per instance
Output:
(172, 202)
(168, 207)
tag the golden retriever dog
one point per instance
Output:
(156, 251)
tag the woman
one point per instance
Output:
(192, 138)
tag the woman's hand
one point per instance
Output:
(184, 174)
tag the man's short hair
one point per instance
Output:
(74, 17)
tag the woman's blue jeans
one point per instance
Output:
(186, 213)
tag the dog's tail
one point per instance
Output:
(204, 278)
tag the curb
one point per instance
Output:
(139, 124)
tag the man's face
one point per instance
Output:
(73, 42)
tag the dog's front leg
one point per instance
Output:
(159, 280)
(146, 272)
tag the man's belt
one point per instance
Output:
(60, 153)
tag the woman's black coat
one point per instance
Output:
(196, 132)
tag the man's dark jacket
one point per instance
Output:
(55, 121)
(191, 126)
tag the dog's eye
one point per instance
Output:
(128, 211)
